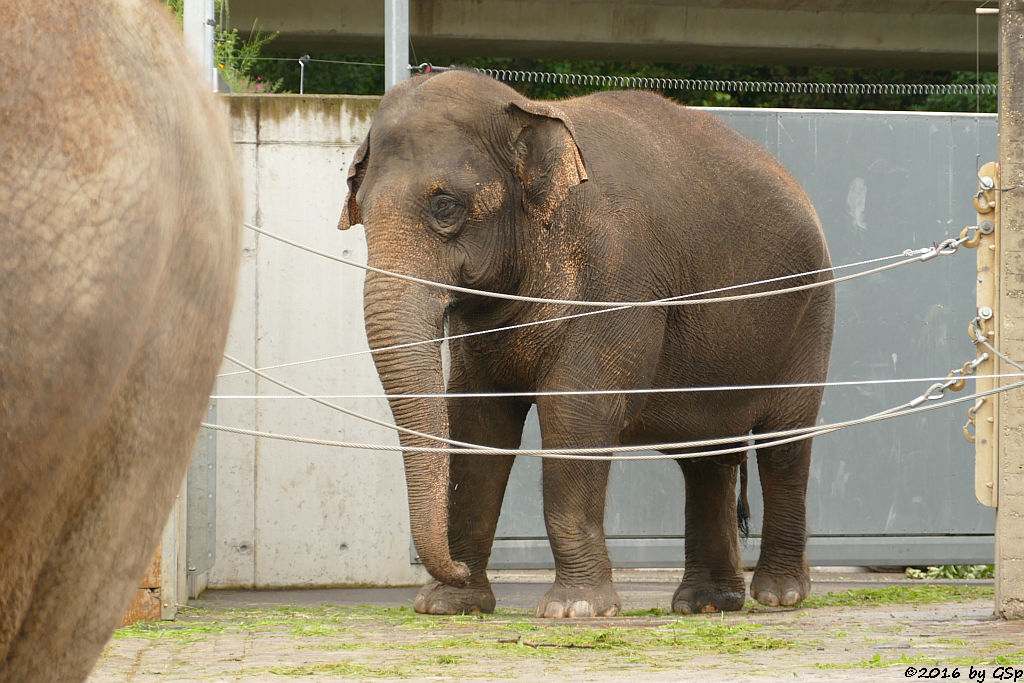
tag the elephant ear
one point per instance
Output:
(350, 214)
(547, 157)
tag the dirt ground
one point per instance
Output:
(842, 633)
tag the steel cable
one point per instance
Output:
(947, 247)
(920, 254)
(352, 413)
(613, 392)
(602, 453)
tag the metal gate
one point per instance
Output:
(899, 492)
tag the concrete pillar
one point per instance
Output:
(396, 42)
(1010, 469)
(198, 21)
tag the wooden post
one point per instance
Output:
(1010, 324)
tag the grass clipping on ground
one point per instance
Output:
(396, 642)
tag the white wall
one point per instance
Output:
(291, 514)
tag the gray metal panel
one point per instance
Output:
(822, 551)
(201, 503)
(898, 492)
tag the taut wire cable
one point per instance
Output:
(602, 453)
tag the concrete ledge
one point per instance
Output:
(821, 551)
(900, 34)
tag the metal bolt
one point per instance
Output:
(985, 313)
(986, 227)
(986, 183)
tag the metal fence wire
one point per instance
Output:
(697, 84)
(934, 396)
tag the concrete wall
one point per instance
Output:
(937, 34)
(291, 514)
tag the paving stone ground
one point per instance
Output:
(369, 634)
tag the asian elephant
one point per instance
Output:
(120, 219)
(616, 196)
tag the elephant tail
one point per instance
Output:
(742, 505)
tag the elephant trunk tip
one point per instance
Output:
(455, 574)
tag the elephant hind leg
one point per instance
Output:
(713, 578)
(781, 576)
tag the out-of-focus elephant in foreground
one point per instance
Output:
(618, 196)
(120, 213)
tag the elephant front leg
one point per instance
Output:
(574, 498)
(781, 577)
(713, 577)
(477, 488)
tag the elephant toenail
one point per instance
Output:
(554, 611)
(581, 608)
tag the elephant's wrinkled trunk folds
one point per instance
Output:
(400, 313)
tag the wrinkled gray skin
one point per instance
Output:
(618, 196)
(119, 244)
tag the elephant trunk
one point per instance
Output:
(397, 313)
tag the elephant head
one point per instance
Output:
(456, 176)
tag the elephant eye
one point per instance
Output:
(445, 214)
(442, 206)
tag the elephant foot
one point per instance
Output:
(776, 589)
(562, 602)
(440, 598)
(697, 597)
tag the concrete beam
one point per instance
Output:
(912, 34)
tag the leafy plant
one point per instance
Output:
(953, 571)
(236, 57)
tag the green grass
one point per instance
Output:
(901, 595)
(922, 594)
(723, 638)
(380, 642)
(878, 661)
(327, 621)
(177, 631)
(350, 669)
(197, 620)
(508, 634)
